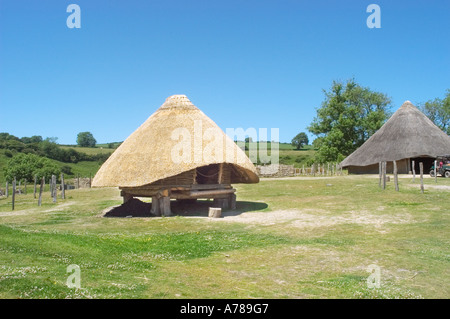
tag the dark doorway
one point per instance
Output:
(427, 163)
(207, 174)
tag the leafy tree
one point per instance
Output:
(299, 140)
(349, 115)
(33, 139)
(438, 111)
(86, 139)
(26, 166)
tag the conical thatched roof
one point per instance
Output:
(407, 134)
(151, 153)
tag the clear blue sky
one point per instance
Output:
(245, 63)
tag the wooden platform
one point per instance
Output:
(223, 195)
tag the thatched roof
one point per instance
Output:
(148, 154)
(407, 134)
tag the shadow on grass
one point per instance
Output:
(199, 208)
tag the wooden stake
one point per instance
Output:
(54, 188)
(435, 171)
(380, 173)
(395, 176)
(41, 189)
(14, 192)
(421, 177)
(34, 190)
(63, 187)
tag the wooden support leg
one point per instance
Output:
(155, 206)
(220, 203)
(164, 206)
(232, 201)
(126, 197)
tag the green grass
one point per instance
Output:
(314, 238)
(91, 150)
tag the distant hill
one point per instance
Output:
(86, 161)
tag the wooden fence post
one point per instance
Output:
(435, 171)
(14, 192)
(54, 188)
(421, 177)
(395, 176)
(380, 173)
(63, 191)
(41, 188)
(414, 171)
(34, 190)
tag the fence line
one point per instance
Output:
(16, 189)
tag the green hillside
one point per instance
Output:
(95, 156)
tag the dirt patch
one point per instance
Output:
(310, 218)
(442, 187)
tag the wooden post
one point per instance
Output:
(155, 206)
(380, 173)
(313, 173)
(34, 190)
(219, 176)
(54, 188)
(13, 192)
(384, 175)
(7, 189)
(41, 189)
(63, 187)
(421, 177)
(232, 201)
(395, 176)
(90, 180)
(435, 171)
(78, 181)
(414, 171)
(164, 206)
(127, 197)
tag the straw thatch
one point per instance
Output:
(408, 134)
(146, 157)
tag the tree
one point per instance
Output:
(348, 116)
(86, 139)
(438, 111)
(299, 140)
(26, 166)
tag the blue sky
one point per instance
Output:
(246, 63)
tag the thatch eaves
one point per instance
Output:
(407, 134)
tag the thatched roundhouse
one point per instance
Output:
(407, 136)
(177, 153)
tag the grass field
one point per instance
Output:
(288, 238)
